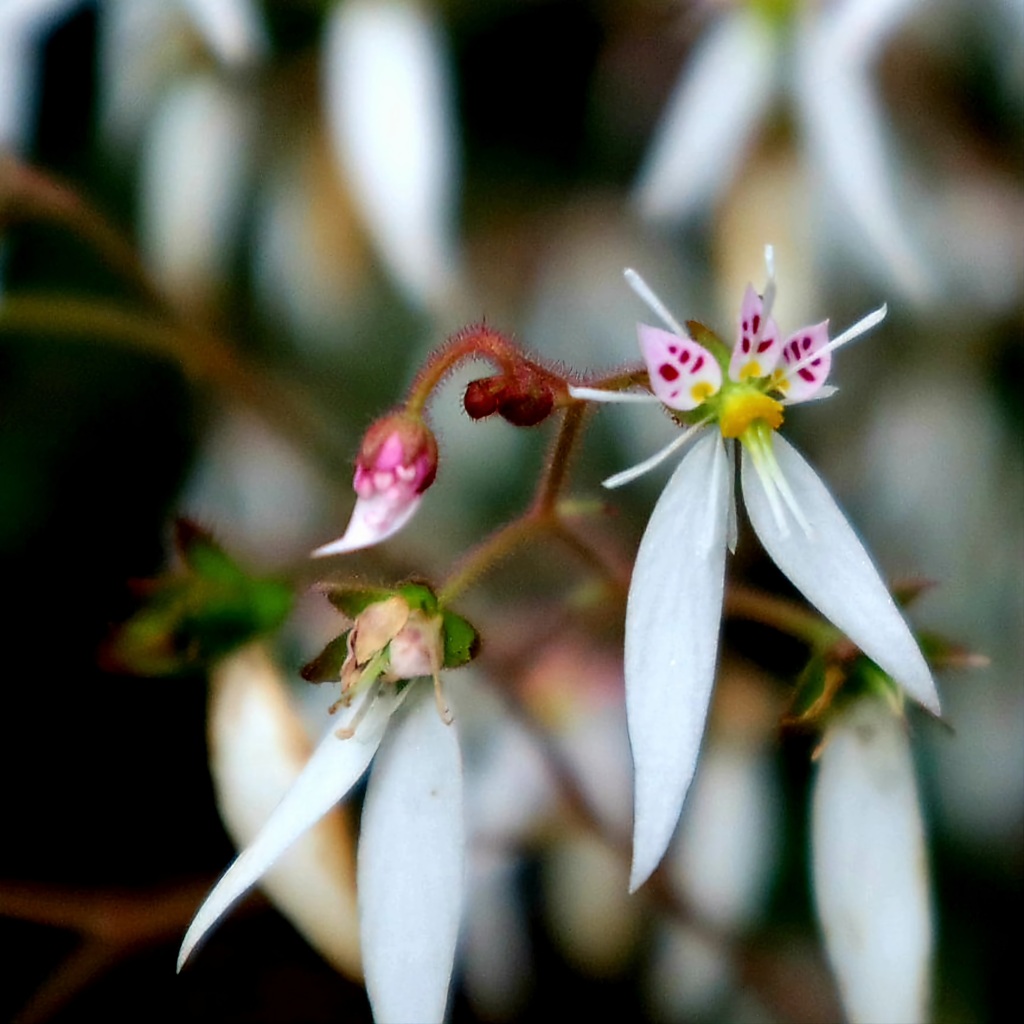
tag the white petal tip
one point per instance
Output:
(637, 878)
(335, 547)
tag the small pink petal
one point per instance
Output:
(808, 379)
(757, 340)
(373, 520)
(683, 374)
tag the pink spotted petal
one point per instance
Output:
(805, 383)
(682, 372)
(757, 340)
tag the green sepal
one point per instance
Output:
(350, 601)
(197, 615)
(461, 640)
(419, 597)
(712, 342)
(815, 690)
(326, 666)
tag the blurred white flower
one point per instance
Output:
(411, 847)
(822, 56)
(870, 867)
(389, 106)
(675, 596)
(145, 44)
(192, 188)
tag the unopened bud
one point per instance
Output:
(397, 462)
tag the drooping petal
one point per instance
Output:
(258, 748)
(389, 105)
(672, 621)
(804, 384)
(410, 867)
(707, 125)
(835, 573)
(683, 374)
(847, 134)
(198, 156)
(373, 520)
(629, 475)
(335, 767)
(757, 345)
(870, 867)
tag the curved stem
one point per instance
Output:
(202, 355)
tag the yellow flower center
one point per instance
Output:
(741, 407)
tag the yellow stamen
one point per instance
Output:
(742, 407)
(703, 390)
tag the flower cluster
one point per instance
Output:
(412, 840)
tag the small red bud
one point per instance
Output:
(481, 398)
(526, 408)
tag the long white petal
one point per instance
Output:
(848, 139)
(626, 476)
(672, 623)
(258, 748)
(335, 767)
(835, 573)
(197, 159)
(870, 868)
(722, 95)
(599, 395)
(390, 110)
(410, 867)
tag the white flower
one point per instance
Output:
(870, 867)
(410, 860)
(389, 106)
(675, 597)
(821, 56)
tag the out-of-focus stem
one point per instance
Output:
(786, 616)
(202, 355)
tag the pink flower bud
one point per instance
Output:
(397, 462)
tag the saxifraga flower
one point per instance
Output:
(675, 596)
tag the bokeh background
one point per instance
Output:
(333, 189)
